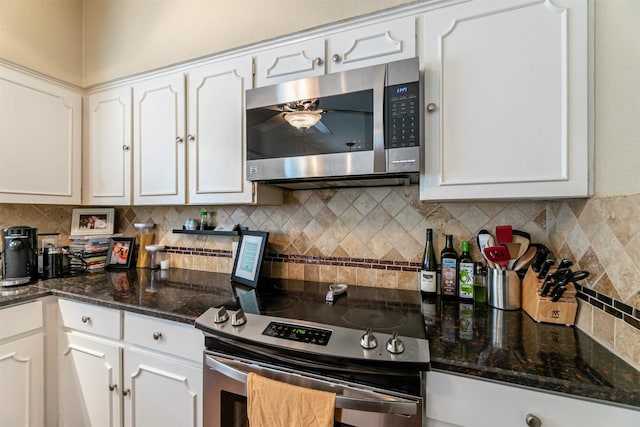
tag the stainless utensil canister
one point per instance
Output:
(504, 289)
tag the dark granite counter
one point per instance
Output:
(510, 347)
(482, 342)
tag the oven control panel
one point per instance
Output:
(298, 333)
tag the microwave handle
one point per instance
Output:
(397, 406)
(379, 155)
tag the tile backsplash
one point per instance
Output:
(375, 237)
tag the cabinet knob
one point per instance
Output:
(85, 319)
(318, 61)
(179, 140)
(431, 107)
(335, 57)
(157, 335)
(191, 138)
(125, 148)
(126, 392)
(113, 387)
(533, 421)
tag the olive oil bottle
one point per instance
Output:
(465, 274)
(449, 269)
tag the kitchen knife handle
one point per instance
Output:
(565, 263)
(545, 268)
(546, 287)
(540, 257)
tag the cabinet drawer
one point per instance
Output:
(163, 335)
(90, 318)
(20, 318)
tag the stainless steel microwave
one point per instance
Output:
(357, 127)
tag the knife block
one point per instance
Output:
(542, 309)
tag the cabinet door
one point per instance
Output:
(107, 150)
(216, 132)
(22, 382)
(291, 62)
(40, 140)
(89, 378)
(161, 392)
(371, 45)
(158, 140)
(509, 85)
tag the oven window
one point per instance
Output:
(233, 412)
(345, 124)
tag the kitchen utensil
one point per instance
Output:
(498, 255)
(514, 250)
(485, 239)
(546, 265)
(523, 238)
(334, 291)
(526, 258)
(540, 257)
(504, 289)
(504, 234)
(565, 263)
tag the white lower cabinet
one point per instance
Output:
(150, 377)
(22, 366)
(454, 400)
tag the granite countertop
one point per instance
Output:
(478, 341)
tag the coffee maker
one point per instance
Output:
(19, 255)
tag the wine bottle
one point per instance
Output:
(465, 273)
(449, 269)
(428, 283)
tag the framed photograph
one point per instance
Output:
(88, 222)
(251, 250)
(120, 252)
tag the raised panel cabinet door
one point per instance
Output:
(371, 45)
(216, 132)
(107, 151)
(22, 382)
(159, 140)
(89, 382)
(40, 140)
(161, 392)
(291, 62)
(506, 90)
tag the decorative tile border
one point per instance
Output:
(609, 305)
(346, 262)
(198, 251)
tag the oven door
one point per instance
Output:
(225, 402)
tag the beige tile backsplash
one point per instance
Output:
(375, 237)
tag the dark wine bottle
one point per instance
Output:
(465, 273)
(449, 269)
(428, 282)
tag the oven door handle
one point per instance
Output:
(397, 406)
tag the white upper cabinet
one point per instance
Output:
(506, 90)
(216, 132)
(159, 141)
(107, 148)
(372, 44)
(40, 139)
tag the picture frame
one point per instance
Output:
(120, 253)
(248, 259)
(90, 222)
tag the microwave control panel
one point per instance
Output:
(402, 115)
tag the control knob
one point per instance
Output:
(221, 315)
(368, 340)
(394, 345)
(238, 318)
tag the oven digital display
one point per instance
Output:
(298, 333)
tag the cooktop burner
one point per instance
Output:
(383, 310)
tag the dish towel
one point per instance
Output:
(272, 403)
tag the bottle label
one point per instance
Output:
(428, 281)
(449, 273)
(466, 280)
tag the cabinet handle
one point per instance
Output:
(335, 57)
(113, 387)
(86, 319)
(431, 107)
(125, 148)
(318, 61)
(191, 138)
(157, 335)
(126, 392)
(533, 421)
(179, 140)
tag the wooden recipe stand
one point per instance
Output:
(542, 309)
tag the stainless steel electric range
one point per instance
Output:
(367, 345)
